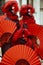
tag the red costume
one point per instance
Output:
(27, 19)
(9, 24)
(11, 8)
(27, 12)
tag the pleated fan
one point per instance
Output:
(20, 55)
(2, 17)
(40, 49)
(34, 28)
(7, 26)
(1, 63)
(37, 30)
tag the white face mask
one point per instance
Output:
(13, 9)
(29, 12)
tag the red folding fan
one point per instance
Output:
(37, 30)
(11, 9)
(20, 55)
(1, 63)
(2, 17)
(34, 28)
(40, 42)
(7, 26)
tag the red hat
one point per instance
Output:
(26, 9)
(11, 8)
(13, 5)
(23, 10)
(31, 10)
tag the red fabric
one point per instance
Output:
(28, 20)
(11, 16)
(0, 44)
(20, 34)
(17, 35)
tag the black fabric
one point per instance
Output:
(25, 26)
(17, 23)
(5, 47)
(21, 41)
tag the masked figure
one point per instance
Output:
(9, 24)
(26, 12)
